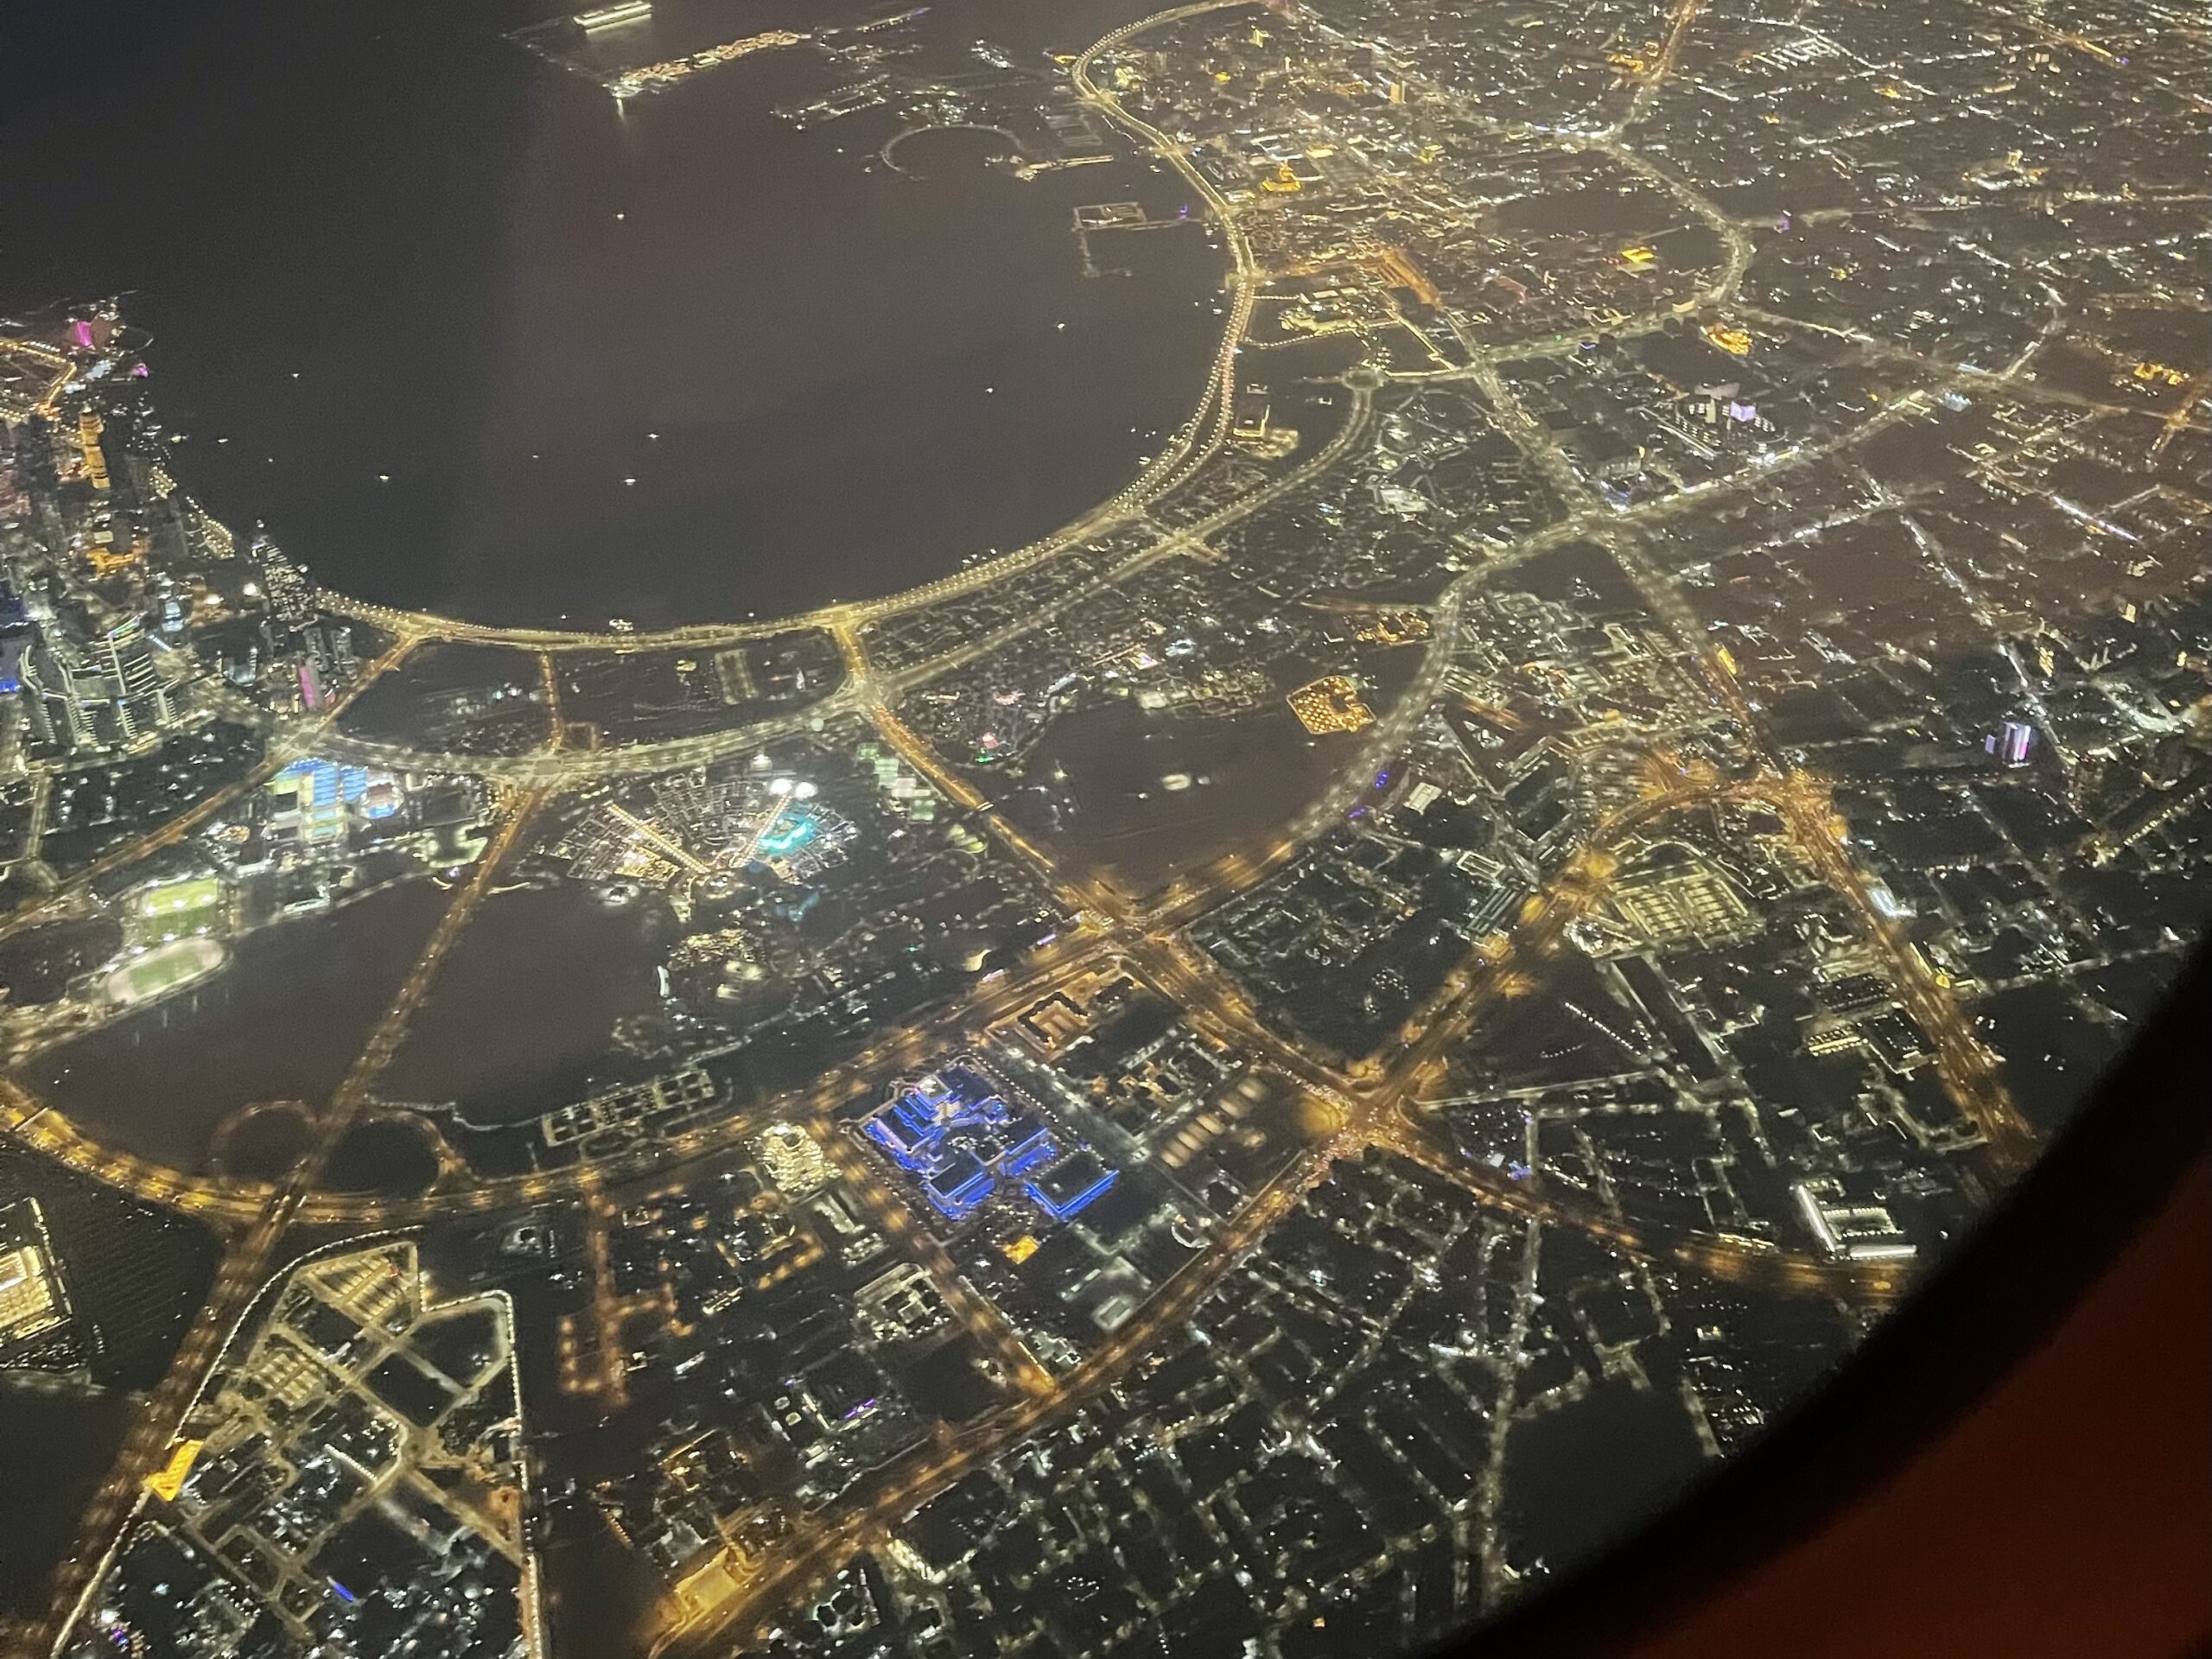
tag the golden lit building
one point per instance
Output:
(1678, 898)
(1330, 704)
(1394, 628)
(794, 1160)
(28, 1306)
(88, 439)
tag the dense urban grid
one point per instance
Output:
(1252, 1078)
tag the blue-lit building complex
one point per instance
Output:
(1072, 1185)
(956, 1133)
(328, 784)
(316, 798)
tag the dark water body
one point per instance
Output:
(417, 218)
(281, 1022)
(55, 1443)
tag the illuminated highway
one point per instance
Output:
(1192, 444)
(1221, 385)
(247, 1262)
(1371, 1112)
(297, 736)
(1397, 1099)
(822, 1543)
(977, 1315)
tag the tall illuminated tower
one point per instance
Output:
(88, 439)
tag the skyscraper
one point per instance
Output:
(2012, 743)
(88, 439)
